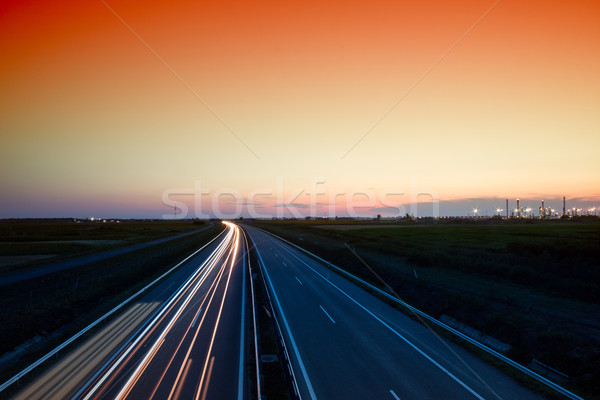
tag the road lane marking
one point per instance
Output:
(394, 394)
(197, 315)
(254, 320)
(243, 329)
(408, 342)
(420, 314)
(284, 264)
(298, 280)
(326, 313)
(267, 311)
(311, 391)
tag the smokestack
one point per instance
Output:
(518, 209)
(543, 213)
(506, 208)
(564, 206)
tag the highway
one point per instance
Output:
(345, 343)
(184, 339)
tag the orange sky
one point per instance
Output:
(103, 111)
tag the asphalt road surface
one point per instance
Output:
(183, 340)
(345, 343)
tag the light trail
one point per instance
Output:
(212, 340)
(215, 283)
(210, 261)
(170, 337)
(212, 290)
(150, 354)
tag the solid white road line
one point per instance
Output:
(243, 323)
(420, 313)
(254, 319)
(408, 342)
(311, 391)
(326, 313)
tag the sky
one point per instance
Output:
(139, 109)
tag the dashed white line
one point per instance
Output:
(326, 313)
(284, 264)
(309, 387)
(394, 394)
(408, 342)
(197, 315)
(299, 281)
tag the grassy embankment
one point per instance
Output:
(31, 243)
(56, 306)
(535, 287)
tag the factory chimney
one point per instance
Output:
(506, 208)
(543, 213)
(564, 206)
(518, 209)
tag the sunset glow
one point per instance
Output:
(105, 106)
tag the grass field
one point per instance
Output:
(534, 286)
(31, 243)
(54, 307)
